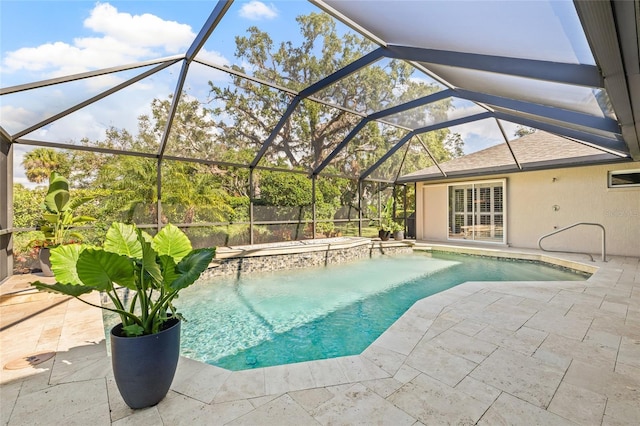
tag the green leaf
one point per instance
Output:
(76, 235)
(51, 217)
(172, 242)
(133, 330)
(57, 182)
(78, 201)
(57, 201)
(100, 269)
(83, 219)
(192, 266)
(66, 289)
(66, 218)
(169, 273)
(63, 263)
(123, 239)
(148, 238)
(149, 260)
(58, 193)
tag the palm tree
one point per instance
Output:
(39, 163)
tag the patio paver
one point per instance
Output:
(486, 353)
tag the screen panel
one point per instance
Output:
(291, 44)
(221, 117)
(200, 193)
(103, 124)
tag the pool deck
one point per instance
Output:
(486, 353)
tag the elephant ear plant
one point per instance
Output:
(58, 214)
(155, 268)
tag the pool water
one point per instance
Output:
(323, 312)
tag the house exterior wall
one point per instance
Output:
(580, 194)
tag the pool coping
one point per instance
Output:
(305, 246)
(512, 254)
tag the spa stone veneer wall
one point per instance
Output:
(295, 257)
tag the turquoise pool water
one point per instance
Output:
(316, 313)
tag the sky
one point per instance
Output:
(47, 39)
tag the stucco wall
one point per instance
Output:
(580, 194)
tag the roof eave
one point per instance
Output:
(591, 160)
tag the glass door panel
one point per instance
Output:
(476, 212)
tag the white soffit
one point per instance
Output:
(539, 30)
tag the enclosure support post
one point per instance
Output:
(360, 208)
(159, 193)
(394, 195)
(415, 211)
(251, 195)
(404, 215)
(313, 205)
(6, 211)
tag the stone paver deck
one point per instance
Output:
(548, 353)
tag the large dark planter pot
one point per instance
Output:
(144, 366)
(384, 235)
(45, 263)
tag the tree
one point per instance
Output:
(285, 189)
(27, 205)
(192, 195)
(453, 147)
(249, 111)
(187, 188)
(193, 132)
(125, 184)
(40, 162)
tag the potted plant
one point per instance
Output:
(58, 219)
(397, 230)
(386, 224)
(384, 232)
(145, 346)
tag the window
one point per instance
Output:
(476, 211)
(624, 178)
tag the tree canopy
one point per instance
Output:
(245, 112)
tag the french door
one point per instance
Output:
(477, 211)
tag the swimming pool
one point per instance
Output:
(300, 315)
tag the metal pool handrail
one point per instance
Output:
(604, 252)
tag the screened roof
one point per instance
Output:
(363, 89)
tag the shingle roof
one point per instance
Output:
(532, 151)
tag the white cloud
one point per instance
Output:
(510, 129)
(19, 175)
(213, 57)
(16, 118)
(144, 30)
(103, 82)
(200, 75)
(478, 135)
(248, 67)
(256, 10)
(123, 38)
